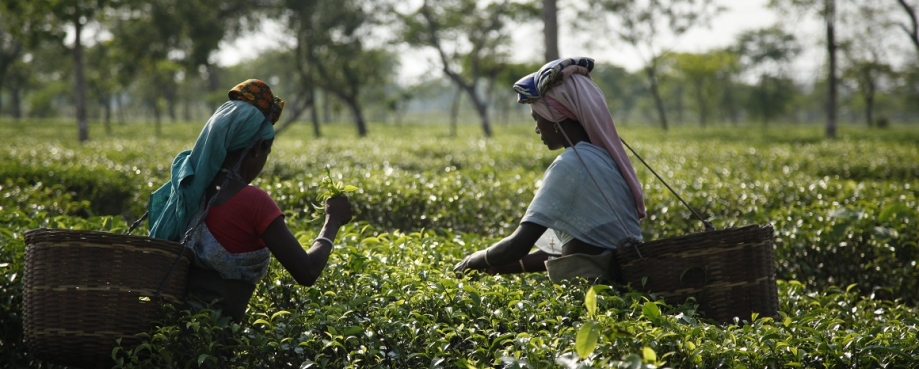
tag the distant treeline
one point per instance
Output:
(120, 61)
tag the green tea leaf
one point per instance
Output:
(352, 331)
(590, 301)
(650, 310)
(648, 355)
(586, 340)
(893, 211)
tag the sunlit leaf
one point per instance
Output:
(590, 301)
(648, 355)
(650, 310)
(586, 340)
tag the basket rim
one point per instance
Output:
(768, 227)
(743, 228)
(97, 235)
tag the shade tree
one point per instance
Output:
(652, 28)
(707, 75)
(765, 55)
(11, 49)
(826, 12)
(467, 36)
(868, 48)
(910, 26)
(55, 18)
(623, 90)
(334, 49)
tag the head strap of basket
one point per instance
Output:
(235, 125)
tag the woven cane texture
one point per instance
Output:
(729, 272)
(84, 289)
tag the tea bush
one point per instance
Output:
(844, 212)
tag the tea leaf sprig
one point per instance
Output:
(329, 188)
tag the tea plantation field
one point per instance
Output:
(845, 212)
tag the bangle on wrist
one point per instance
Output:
(326, 240)
(522, 268)
(486, 259)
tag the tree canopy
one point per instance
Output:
(125, 60)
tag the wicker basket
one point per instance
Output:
(730, 272)
(83, 290)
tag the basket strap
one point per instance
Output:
(175, 262)
(137, 222)
(558, 126)
(708, 225)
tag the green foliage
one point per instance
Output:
(12, 349)
(42, 101)
(844, 212)
(330, 188)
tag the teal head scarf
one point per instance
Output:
(235, 125)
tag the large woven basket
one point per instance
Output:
(729, 272)
(84, 289)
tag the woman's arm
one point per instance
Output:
(506, 251)
(532, 262)
(307, 266)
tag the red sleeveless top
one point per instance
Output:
(239, 223)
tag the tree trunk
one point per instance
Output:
(730, 103)
(314, 115)
(869, 110)
(703, 110)
(107, 115)
(292, 110)
(831, 81)
(766, 97)
(358, 117)
(156, 116)
(454, 111)
(7, 60)
(120, 105)
(481, 108)
(679, 103)
(186, 110)
(658, 102)
(550, 28)
(170, 96)
(326, 109)
(869, 98)
(80, 83)
(913, 30)
(16, 102)
(213, 83)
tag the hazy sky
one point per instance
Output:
(740, 15)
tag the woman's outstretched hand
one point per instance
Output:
(475, 261)
(461, 267)
(338, 210)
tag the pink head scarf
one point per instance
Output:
(576, 97)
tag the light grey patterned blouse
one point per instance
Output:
(570, 203)
(211, 255)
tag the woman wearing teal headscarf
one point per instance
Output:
(231, 226)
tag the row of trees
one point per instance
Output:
(160, 54)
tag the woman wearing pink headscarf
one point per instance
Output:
(590, 198)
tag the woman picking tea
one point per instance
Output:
(590, 196)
